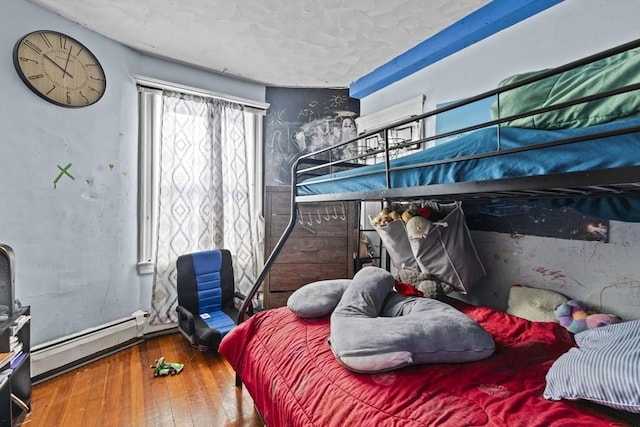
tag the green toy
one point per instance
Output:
(166, 368)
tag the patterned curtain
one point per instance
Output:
(204, 193)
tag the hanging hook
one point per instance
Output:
(343, 216)
(319, 220)
(300, 218)
(310, 222)
(328, 217)
(335, 213)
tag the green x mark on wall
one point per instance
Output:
(63, 171)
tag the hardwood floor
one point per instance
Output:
(120, 390)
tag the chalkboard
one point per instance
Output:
(302, 120)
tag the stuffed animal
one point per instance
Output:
(418, 226)
(385, 216)
(573, 315)
(412, 282)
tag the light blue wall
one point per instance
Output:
(75, 243)
(606, 275)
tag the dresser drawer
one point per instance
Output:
(309, 228)
(289, 277)
(313, 250)
(281, 205)
(276, 299)
(320, 246)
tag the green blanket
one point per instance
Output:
(609, 73)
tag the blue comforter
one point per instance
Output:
(600, 153)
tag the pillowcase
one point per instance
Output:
(606, 74)
(604, 368)
(533, 304)
(317, 299)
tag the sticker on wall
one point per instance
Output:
(537, 219)
(64, 171)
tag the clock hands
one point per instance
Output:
(56, 64)
(66, 64)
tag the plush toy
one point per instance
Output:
(418, 226)
(385, 216)
(599, 319)
(412, 282)
(574, 317)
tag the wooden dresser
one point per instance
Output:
(320, 247)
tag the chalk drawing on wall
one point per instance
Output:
(303, 120)
(64, 171)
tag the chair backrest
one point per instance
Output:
(205, 281)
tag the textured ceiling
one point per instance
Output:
(297, 43)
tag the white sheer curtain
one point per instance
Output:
(204, 193)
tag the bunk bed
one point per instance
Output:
(284, 360)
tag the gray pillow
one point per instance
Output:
(374, 329)
(317, 299)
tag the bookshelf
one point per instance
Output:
(15, 367)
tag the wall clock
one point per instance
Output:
(59, 69)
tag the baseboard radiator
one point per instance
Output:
(61, 355)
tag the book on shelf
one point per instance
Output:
(16, 347)
(13, 342)
(15, 362)
(19, 323)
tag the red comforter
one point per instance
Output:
(295, 380)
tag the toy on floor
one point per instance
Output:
(166, 368)
(573, 315)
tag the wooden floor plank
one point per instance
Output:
(120, 390)
(137, 388)
(95, 376)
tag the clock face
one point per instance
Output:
(59, 69)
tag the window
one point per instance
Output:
(150, 127)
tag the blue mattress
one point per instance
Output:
(601, 153)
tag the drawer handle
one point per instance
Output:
(309, 250)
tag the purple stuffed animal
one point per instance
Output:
(574, 317)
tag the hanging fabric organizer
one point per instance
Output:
(444, 249)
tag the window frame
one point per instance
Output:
(149, 132)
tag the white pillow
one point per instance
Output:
(605, 368)
(534, 304)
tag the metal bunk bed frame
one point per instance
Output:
(619, 182)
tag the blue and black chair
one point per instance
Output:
(206, 292)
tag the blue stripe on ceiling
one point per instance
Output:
(484, 22)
